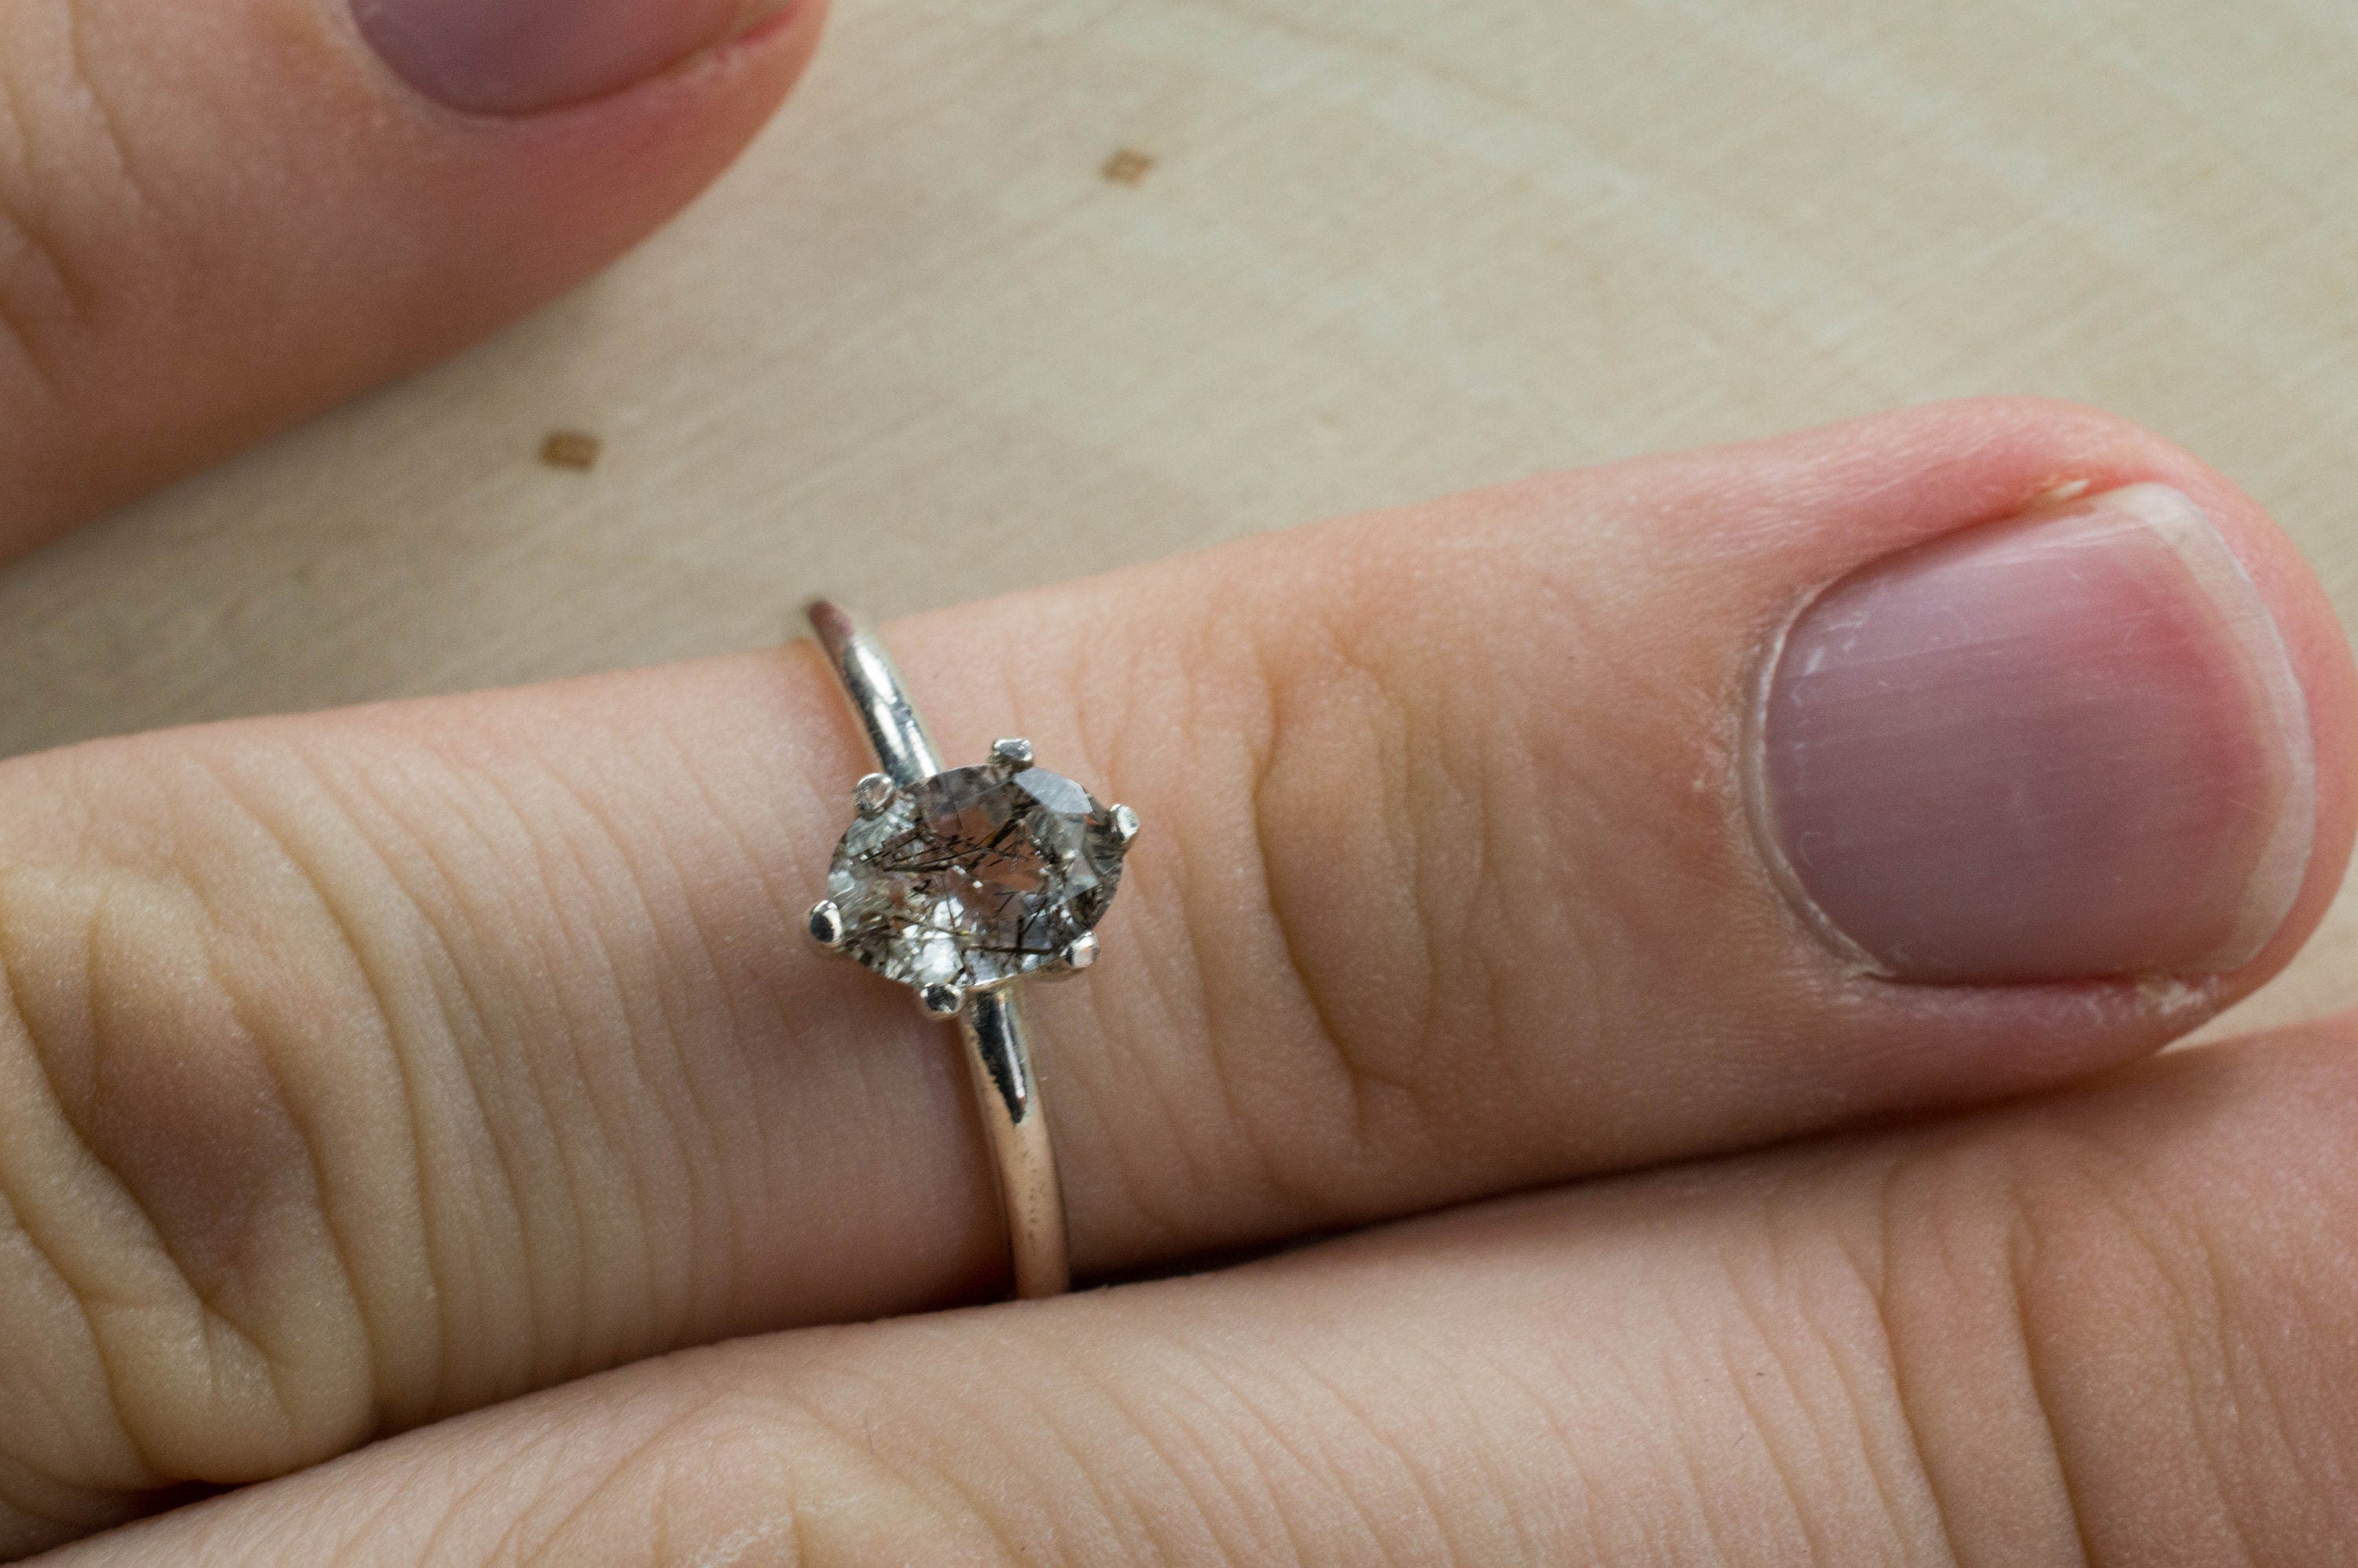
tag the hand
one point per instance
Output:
(362, 1070)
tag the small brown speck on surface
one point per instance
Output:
(1129, 167)
(573, 449)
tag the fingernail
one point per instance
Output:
(2068, 746)
(516, 57)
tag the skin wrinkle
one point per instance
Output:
(1160, 1438)
(553, 1352)
(665, 1318)
(1903, 1485)
(1295, 1195)
(2319, 1469)
(668, 1319)
(33, 1389)
(1064, 1372)
(86, 1291)
(1413, 766)
(552, 955)
(734, 1232)
(1756, 1412)
(1136, 1188)
(1692, 1467)
(1568, 1452)
(1489, 916)
(1485, 918)
(22, 320)
(1311, 1460)
(19, 1036)
(1248, 1392)
(1291, 668)
(2023, 1245)
(1398, 1455)
(378, 1520)
(1241, 1386)
(94, 1299)
(975, 1514)
(976, 1517)
(404, 1051)
(1983, 1259)
(19, 323)
(552, 1476)
(2195, 1318)
(83, 84)
(1875, 1277)
(481, 1097)
(610, 1473)
(1224, 1071)
(1105, 723)
(1092, 1001)
(381, 1379)
(95, 1510)
(215, 1318)
(1481, 1454)
(807, 765)
(2232, 1393)
(1178, 1396)
(316, 1177)
(1592, 1371)
(1827, 1342)
(1341, 1467)
(1393, 728)
(1222, 1068)
(2283, 1420)
(1173, 963)
(501, 1477)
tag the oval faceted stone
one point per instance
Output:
(975, 876)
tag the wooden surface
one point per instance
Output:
(922, 346)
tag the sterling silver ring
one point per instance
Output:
(958, 883)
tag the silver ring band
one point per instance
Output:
(990, 1021)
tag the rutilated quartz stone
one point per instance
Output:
(975, 876)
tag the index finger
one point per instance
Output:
(376, 1065)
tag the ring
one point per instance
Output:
(958, 883)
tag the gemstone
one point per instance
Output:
(975, 876)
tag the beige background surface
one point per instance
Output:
(918, 347)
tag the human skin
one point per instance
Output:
(445, 1085)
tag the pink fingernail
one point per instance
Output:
(2068, 746)
(515, 57)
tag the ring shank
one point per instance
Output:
(998, 1046)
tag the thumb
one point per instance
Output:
(218, 217)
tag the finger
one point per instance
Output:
(216, 217)
(377, 1065)
(2115, 1327)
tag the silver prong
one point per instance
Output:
(1078, 955)
(827, 927)
(1125, 825)
(1011, 753)
(874, 795)
(941, 1000)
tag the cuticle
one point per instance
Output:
(1752, 792)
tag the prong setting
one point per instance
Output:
(1077, 954)
(967, 879)
(872, 795)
